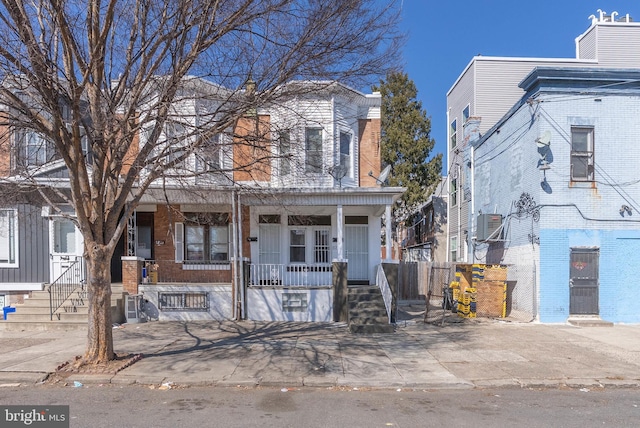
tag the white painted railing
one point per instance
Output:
(383, 284)
(290, 275)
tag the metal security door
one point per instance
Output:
(356, 244)
(583, 281)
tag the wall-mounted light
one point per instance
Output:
(252, 239)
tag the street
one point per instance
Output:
(140, 406)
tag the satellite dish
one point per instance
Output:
(383, 175)
(544, 140)
(338, 172)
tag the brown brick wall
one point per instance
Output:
(369, 136)
(164, 254)
(5, 150)
(131, 275)
(252, 149)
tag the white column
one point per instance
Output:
(387, 214)
(340, 225)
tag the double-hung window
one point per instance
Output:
(345, 152)
(454, 192)
(453, 128)
(313, 150)
(209, 157)
(284, 152)
(582, 163)
(8, 238)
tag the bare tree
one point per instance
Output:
(93, 78)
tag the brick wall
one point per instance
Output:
(369, 151)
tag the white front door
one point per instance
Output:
(356, 245)
(66, 247)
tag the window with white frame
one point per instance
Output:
(203, 238)
(64, 236)
(454, 248)
(175, 135)
(284, 152)
(453, 192)
(345, 151)
(465, 114)
(582, 163)
(209, 156)
(453, 128)
(309, 239)
(313, 150)
(8, 238)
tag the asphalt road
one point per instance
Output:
(137, 406)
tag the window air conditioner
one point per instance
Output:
(488, 224)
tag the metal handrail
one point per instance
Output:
(385, 289)
(70, 280)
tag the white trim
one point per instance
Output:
(21, 286)
(16, 240)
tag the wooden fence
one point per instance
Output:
(416, 280)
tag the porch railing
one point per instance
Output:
(383, 284)
(291, 275)
(60, 290)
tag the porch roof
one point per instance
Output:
(366, 196)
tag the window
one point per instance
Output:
(174, 133)
(8, 238)
(313, 152)
(64, 236)
(297, 248)
(284, 151)
(206, 237)
(582, 165)
(454, 192)
(465, 114)
(454, 248)
(345, 152)
(189, 301)
(452, 133)
(209, 157)
(309, 229)
(36, 147)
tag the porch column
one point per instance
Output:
(340, 225)
(387, 214)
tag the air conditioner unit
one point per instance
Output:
(488, 224)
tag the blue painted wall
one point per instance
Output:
(619, 269)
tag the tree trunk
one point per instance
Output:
(100, 333)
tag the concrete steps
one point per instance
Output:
(34, 313)
(367, 312)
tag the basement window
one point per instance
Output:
(189, 301)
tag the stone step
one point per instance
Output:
(42, 325)
(367, 311)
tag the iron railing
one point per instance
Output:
(60, 290)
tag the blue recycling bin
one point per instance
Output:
(6, 310)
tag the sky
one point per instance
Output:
(444, 36)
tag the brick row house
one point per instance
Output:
(258, 222)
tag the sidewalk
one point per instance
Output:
(473, 353)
